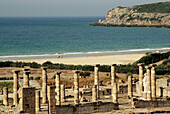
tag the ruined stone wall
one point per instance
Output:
(150, 104)
(27, 103)
(86, 108)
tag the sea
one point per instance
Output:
(48, 37)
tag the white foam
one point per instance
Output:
(85, 53)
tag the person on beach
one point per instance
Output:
(58, 55)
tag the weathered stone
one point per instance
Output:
(51, 100)
(114, 93)
(5, 96)
(153, 81)
(76, 87)
(62, 93)
(130, 89)
(15, 87)
(96, 78)
(148, 71)
(140, 78)
(58, 101)
(27, 100)
(44, 84)
(94, 93)
(26, 78)
(37, 103)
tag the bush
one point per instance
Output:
(37, 78)
(153, 58)
(85, 73)
(31, 78)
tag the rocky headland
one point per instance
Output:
(148, 15)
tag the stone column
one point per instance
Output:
(115, 94)
(15, 88)
(140, 78)
(58, 101)
(153, 82)
(113, 79)
(37, 98)
(80, 95)
(44, 85)
(94, 93)
(5, 96)
(113, 74)
(96, 78)
(148, 71)
(130, 89)
(26, 78)
(76, 87)
(62, 93)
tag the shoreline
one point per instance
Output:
(103, 60)
(124, 25)
(82, 54)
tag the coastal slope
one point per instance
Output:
(148, 15)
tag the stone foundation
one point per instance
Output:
(87, 108)
(150, 104)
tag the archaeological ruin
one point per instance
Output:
(141, 94)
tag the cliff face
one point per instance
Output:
(130, 17)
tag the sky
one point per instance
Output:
(62, 8)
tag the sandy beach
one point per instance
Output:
(103, 60)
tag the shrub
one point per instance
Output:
(37, 78)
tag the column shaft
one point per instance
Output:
(44, 85)
(96, 78)
(130, 89)
(26, 78)
(5, 96)
(62, 93)
(58, 102)
(140, 79)
(37, 100)
(153, 82)
(115, 94)
(76, 88)
(15, 88)
(148, 71)
(94, 93)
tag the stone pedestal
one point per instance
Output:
(148, 71)
(153, 82)
(140, 78)
(15, 87)
(5, 96)
(96, 78)
(44, 84)
(94, 93)
(76, 87)
(62, 93)
(37, 103)
(130, 89)
(58, 101)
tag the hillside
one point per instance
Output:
(148, 15)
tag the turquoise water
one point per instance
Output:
(48, 37)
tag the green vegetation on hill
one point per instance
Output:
(161, 7)
(153, 58)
